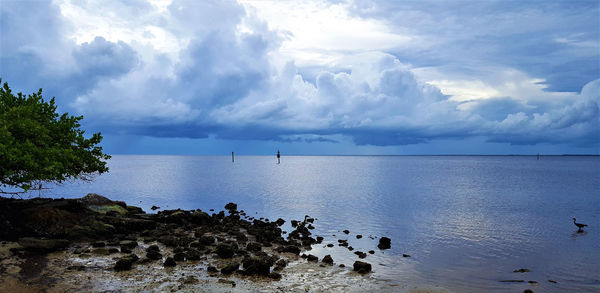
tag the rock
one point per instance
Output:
(319, 239)
(253, 246)
(229, 282)
(113, 250)
(152, 248)
(192, 254)
(405, 255)
(350, 248)
(384, 243)
(256, 266)
(327, 259)
(553, 282)
(532, 282)
(100, 251)
(342, 265)
(280, 222)
(275, 276)
(98, 244)
(362, 267)
(169, 262)
(289, 248)
(207, 240)
(43, 245)
(527, 291)
(312, 258)
(129, 244)
(294, 223)
(371, 251)
(360, 254)
(180, 256)
(154, 208)
(229, 269)
(281, 263)
(125, 249)
(346, 232)
(358, 236)
(512, 281)
(153, 255)
(226, 250)
(231, 207)
(125, 263)
(522, 271)
(330, 245)
(211, 269)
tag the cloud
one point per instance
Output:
(224, 76)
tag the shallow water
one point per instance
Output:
(467, 222)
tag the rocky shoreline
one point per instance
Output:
(49, 243)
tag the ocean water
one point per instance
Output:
(466, 221)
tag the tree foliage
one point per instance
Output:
(37, 145)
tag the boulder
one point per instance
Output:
(124, 263)
(253, 246)
(312, 258)
(226, 250)
(327, 259)
(257, 266)
(169, 262)
(362, 267)
(153, 255)
(384, 243)
(43, 245)
(229, 269)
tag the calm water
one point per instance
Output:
(467, 222)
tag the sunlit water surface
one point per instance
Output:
(467, 222)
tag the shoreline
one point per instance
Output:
(95, 244)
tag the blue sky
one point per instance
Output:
(315, 77)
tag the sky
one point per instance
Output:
(315, 77)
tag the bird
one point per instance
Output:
(579, 225)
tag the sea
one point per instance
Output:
(463, 223)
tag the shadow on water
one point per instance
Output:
(578, 233)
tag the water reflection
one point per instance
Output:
(467, 222)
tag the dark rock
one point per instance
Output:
(100, 251)
(319, 239)
(98, 244)
(253, 246)
(231, 207)
(153, 248)
(192, 254)
(180, 256)
(129, 244)
(294, 223)
(212, 269)
(125, 249)
(281, 263)
(311, 226)
(360, 254)
(230, 268)
(358, 236)
(113, 250)
(342, 265)
(346, 232)
(154, 208)
(384, 243)
(327, 259)
(405, 255)
(153, 255)
(226, 250)
(289, 248)
(309, 220)
(522, 271)
(362, 267)
(43, 245)
(312, 258)
(241, 237)
(350, 248)
(532, 282)
(527, 291)
(330, 245)
(170, 262)
(257, 266)
(280, 222)
(512, 281)
(225, 281)
(553, 282)
(371, 251)
(124, 263)
(207, 240)
(275, 276)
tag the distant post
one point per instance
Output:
(538, 156)
(278, 157)
(232, 158)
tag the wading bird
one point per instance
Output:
(579, 225)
